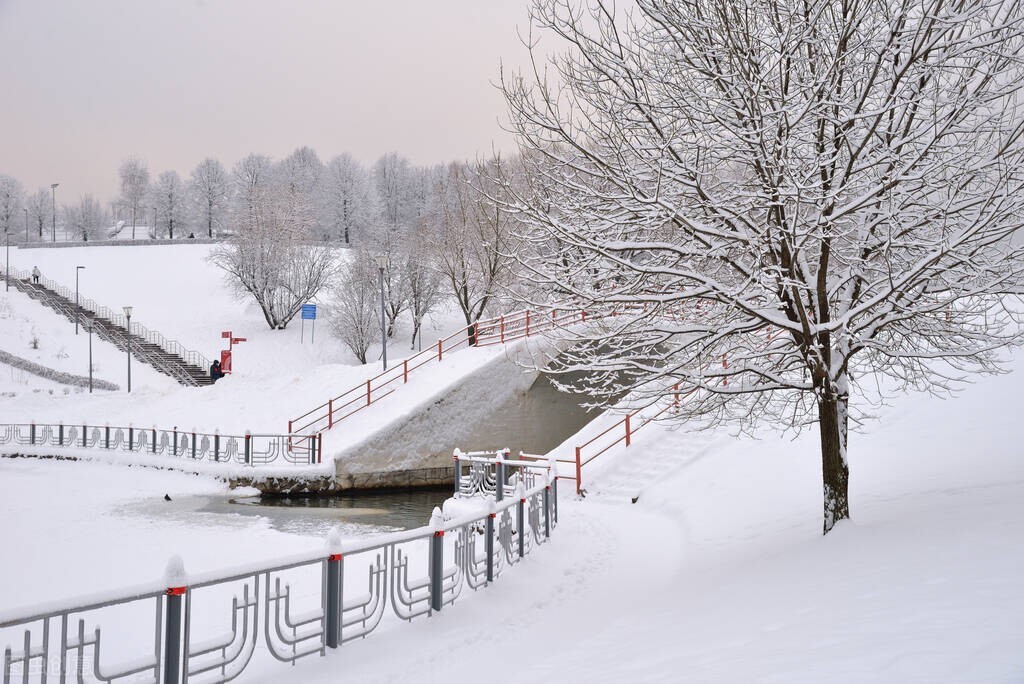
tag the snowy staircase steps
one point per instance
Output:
(143, 350)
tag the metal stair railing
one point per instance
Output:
(499, 330)
(111, 327)
(174, 347)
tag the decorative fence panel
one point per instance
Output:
(248, 449)
(214, 628)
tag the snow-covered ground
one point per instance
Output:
(718, 573)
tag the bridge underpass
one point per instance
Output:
(507, 402)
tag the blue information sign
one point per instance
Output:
(309, 312)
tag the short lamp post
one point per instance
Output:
(78, 308)
(382, 263)
(128, 315)
(88, 329)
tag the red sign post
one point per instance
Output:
(225, 354)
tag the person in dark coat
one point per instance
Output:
(35, 274)
(215, 372)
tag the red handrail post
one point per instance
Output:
(675, 402)
(319, 447)
(439, 350)
(627, 430)
(579, 469)
(583, 316)
(289, 429)
(502, 328)
(405, 370)
(330, 414)
(725, 365)
(527, 322)
(367, 392)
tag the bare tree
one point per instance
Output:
(87, 219)
(208, 194)
(39, 208)
(347, 200)
(781, 200)
(354, 316)
(134, 187)
(424, 282)
(272, 256)
(11, 200)
(472, 247)
(169, 203)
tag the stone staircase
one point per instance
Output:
(168, 357)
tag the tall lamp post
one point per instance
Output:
(88, 329)
(53, 212)
(78, 308)
(382, 263)
(128, 315)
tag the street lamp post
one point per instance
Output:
(128, 315)
(53, 212)
(382, 263)
(88, 329)
(78, 308)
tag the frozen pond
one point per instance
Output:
(312, 515)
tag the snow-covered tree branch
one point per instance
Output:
(777, 200)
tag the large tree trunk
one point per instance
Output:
(835, 471)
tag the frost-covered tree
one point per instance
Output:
(12, 198)
(169, 203)
(272, 256)
(346, 200)
(472, 245)
(134, 187)
(394, 181)
(87, 219)
(40, 206)
(424, 283)
(297, 178)
(208, 196)
(355, 318)
(781, 200)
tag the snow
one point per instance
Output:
(718, 572)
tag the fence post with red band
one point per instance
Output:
(172, 635)
(333, 607)
(437, 560)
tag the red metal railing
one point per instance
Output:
(485, 333)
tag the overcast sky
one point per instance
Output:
(87, 83)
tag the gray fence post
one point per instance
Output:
(436, 559)
(60, 434)
(547, 512)
(458, 471)
(216, 446)
(193, 443)
(333, 607)
(248, 448)
(174, 442)
(172, 636)
(106, 436)
(489, 542)
(131, 438)
(521, 518)
(499, 476)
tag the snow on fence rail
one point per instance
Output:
(498, 330)
(248, 449)
(174, 347)
(209, 628)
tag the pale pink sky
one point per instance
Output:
(87, 83)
